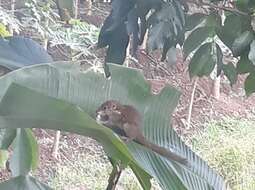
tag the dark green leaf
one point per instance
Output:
(249, 84)
(213, 20)
(193, 20)
(244, 65)
(242, 43)
(6, 137)
(23, 183)
(17, 52)
(233, 27)
(202, 62)
(171, 56)
(219, 59)
(196, 38)
(252, 52)
(25, 153)
(230, 72)
(166, 23)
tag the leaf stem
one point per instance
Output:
(114, 176)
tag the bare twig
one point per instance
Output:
(191, 102)
(56, 145)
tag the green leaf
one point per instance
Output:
(3, 31)
(249, 84)
(233, 27)
(59, 115)
(23, 183)
(3, 158)
(213, 20)
(244, 65)
(202, 63)
(17, 52)
(6, 138)
(193, 20)
(242, 43)
(88, 89)
(196, 38)
(252, 52)
(230, 72)
(25, 153)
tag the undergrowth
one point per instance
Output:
(229, 147)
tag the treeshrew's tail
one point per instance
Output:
(163, 151)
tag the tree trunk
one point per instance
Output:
(216, 87)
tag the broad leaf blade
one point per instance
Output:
(196, 38)
(23, 183)
(244, 65)
(6, 138)
(17, 52)
(230, 72)
(242, 42)
(249, 84)
(202, 62)
(25, 153)
(89, 89)
(193, 20)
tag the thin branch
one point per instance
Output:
(230, 9)
(114, 177)
(191, 103)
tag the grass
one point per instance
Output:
(89, 172)
(229, 147)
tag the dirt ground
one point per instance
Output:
(232, 102)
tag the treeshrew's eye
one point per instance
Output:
(104, 108)
(114, 106)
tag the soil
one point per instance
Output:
(232, 102)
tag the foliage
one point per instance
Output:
(38, 16)
(81, 37)
(68, 118)
(16, 52)
(167, 22)
(228, 147)
(3, 31)
(8, 19)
